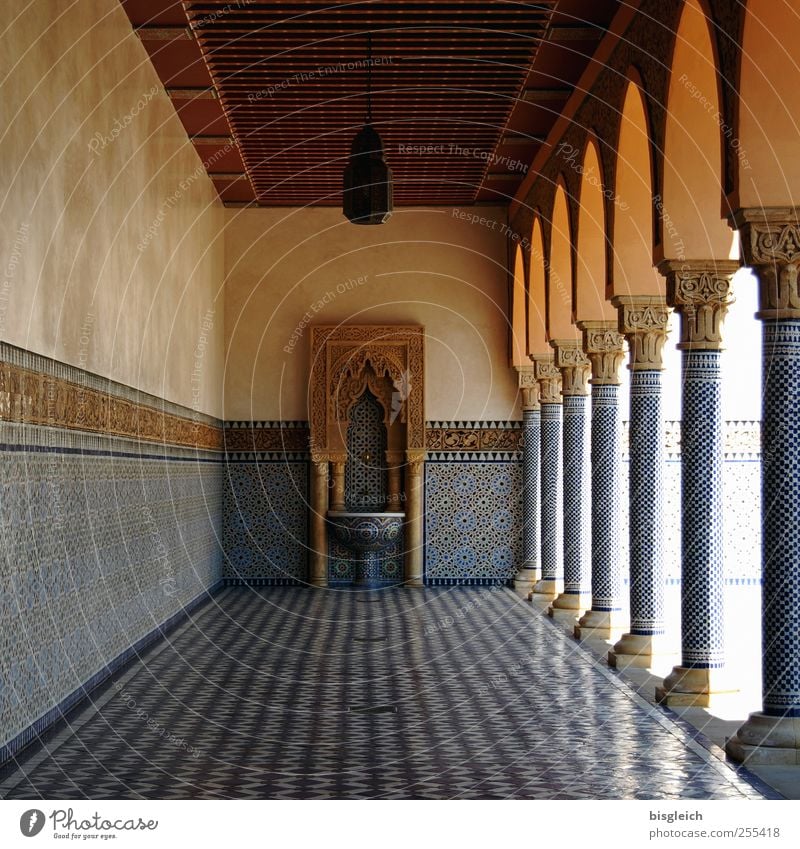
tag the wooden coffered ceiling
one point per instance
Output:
(464, 92)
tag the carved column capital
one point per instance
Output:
(643, 322)
(548, 377)
(573, 364)
(415, 460)
(700, 291)
(771, 246)
(321, 461)
(605, 348)
(528, 387)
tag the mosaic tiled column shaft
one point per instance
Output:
(574, 367)
(643, 322)
(549, 379)
(604, 347)
(530, 570)
(771, 245)
(700, 292)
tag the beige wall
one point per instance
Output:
(288, 268)
(111, 249)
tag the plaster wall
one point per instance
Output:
(443, 268)
(111, 231)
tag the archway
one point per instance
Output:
(632, 268)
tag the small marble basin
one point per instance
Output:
(366, 534)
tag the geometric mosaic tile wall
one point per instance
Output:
(265, 527)
(473, 521)
(97, 550)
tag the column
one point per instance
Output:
(530, 571)
(338, 464)
(574, 367)
(395, 496)
(549, 379)
(700, 293)
(771, 245)
(318, 556)
(604, 347)
(643, 323)
(415, 463)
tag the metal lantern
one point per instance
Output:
(367, 190)
(367, 180)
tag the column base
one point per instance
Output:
(688, 687)
(568, 607)
(526, 579)
(414, 583)
(638, 650)
(767, 740)
(546, 589)
(601, 625)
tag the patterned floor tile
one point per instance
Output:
(258, 696)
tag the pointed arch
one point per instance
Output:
(559, 278)
(632, 238)
(769, 107)
(590, 302)
(519, 335)
(537, 337)
(690, 217)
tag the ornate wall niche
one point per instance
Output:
(345, 360)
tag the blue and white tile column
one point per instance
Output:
(700, 293)
(530, 571)
(771, 245)
(643, 323)
(549, 379)
(576, 595)
(604, 347)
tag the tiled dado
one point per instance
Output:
(473, 521)
(265, 519)
(265, 503)
(104, 539)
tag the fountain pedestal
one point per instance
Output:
(366, 535)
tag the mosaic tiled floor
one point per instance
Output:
(436, 693)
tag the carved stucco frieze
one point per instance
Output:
(643, 322)
(40, 399)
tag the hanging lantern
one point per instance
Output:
(367, 190)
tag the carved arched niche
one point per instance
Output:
(347, 359)
(389, 361)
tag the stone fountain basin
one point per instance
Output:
(366, 533)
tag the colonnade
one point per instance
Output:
(573, 442)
